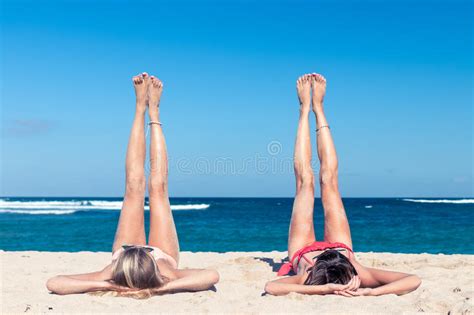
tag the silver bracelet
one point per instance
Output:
(325, 126)
(154, 123)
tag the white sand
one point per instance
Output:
(447, 288)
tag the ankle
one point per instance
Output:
(304, 113)
(318, 108)
(140, 110)
(305, 108)
(154, 114)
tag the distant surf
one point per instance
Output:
(450, 201)
(239, 224)
(70, 207)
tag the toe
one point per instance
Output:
(135, 79)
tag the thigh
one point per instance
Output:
(301, 225)
(162, 227)
(131, 227)
(336, 225)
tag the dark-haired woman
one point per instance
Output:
(138, 269)
(327, 267)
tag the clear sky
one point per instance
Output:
(399, 98)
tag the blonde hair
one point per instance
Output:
(135, 268)
(139, 295)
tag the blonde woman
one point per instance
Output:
(138, 269)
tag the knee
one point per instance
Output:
(328, 177)
(157, 186)
(135, 185)
(305, 181)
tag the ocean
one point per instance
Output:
(399, 225)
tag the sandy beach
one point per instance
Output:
(447, 288)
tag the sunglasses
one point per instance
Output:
(145, 248)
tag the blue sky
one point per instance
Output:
(399, 95)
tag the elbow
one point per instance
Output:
(413, 284)
(272, 289)
(52, 284)
(209, 277)
(269, 289)
(214, 277)
(416, 282)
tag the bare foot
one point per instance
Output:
(318, 84)
(155, 88)
(303, 87)
(140, 85)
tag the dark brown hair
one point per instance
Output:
(331, 267)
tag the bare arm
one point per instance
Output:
(391, 282)
(191, 280)
(379, 282)
(295, 284)
(81, 283)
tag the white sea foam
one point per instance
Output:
(368, 207)
(190, 207)
(83, 204)
(57, 212)
(69, 207)
(456, 201)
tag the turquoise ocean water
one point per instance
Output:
(406, 225)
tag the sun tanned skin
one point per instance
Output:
(130, 229)
(370, 281)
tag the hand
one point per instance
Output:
(358, 292)
(353, 285)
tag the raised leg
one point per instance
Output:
(162, 228)
(336, 225)
(130, 229)
(301, 225)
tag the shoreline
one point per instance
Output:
(447, 285)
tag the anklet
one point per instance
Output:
(154, 123)
(149, 125)
(325, 126)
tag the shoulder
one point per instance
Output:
(350, 255)
(167, 270)
(106, 273)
